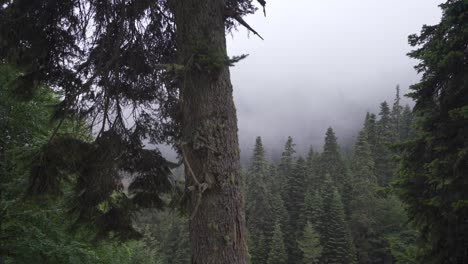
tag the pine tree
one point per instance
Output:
(370, 125)
(331, 161)
(279, 211)
(277, 253)
(296, 187)
(260, 249)
(286, 166)
(310, 245)
(259, 211)
(363, 203)
(396, 115)
(313, 177)
(406, 123)
(336, 239)
(313, 209)
(434, 164)
(384, 165)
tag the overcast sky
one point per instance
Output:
(323, 63)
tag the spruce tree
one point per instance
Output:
(279, 211)
(313, 209)
(434, 164)
(286, 166)
(370, 125)
(313, 177)
(331, 161)
(310, 245)
(277, 254)
(336, 238)
(384, 165)
(406, 123)
(259, 211)
(296, 187)
(363, 203)
(396, 115)
(260, 249)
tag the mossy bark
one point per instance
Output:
(209, 133)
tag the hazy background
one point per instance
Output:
(323, 63)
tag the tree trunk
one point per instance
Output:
(209, 133)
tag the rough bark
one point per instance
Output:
(209, 134)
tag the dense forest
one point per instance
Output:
(295, 210)
(90, 89)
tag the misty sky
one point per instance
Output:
(322, 63)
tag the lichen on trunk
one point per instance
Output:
(209, 135)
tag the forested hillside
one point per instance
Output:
(325, 207)
(92, 92)
(328, 207)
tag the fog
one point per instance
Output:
(322, 63)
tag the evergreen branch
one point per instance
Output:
(236, 59)
(54, 133)
(236, 16)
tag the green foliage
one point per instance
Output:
(310, 245)
(259, 208)
(434, 163)
(363, 201)
(277, 254)
(294, 203)
(370, 126)
(296, 190)
(403, 247)
(312, 211)
(277, 204)
(406, 123)
(313, 177)
(384, 165)
(336, 238)
(38, 230)
(165, 236)
(396, 116)
(331, 161)
(286, 166)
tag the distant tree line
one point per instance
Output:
(329, 207)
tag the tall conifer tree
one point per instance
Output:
(313, 177)
(286, 166)
(277, 253)
(313, 209)
(406, 123)
(384, 165)
(279, 211)
(296, 187)
(363, 203)
(396, 114)
(370, 125)
(259, 211)
(331, 161)
(336, 238)
(310, 245)
(434, 164)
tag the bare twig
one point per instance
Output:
(201, 187)
(235, 15)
